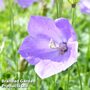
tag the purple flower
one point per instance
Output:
(85, 6)
(51, 45)
(25, 3)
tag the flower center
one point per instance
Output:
(62, 47)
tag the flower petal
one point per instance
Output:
(39, 25)
(66, 28)
(47, 68)
(25, 3)
(34, 48)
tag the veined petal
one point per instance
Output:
(34, 48)
(25, 3)
(66, 28)
(39, 25)
(47, 68)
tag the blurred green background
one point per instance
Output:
(13, 30)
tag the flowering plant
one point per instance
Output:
(51, 45)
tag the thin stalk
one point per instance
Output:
(42, 85)
(60, 7)
(73, 23)
(79, 77)
(11, 19)
(54, 82)
(36, 87)
(73, 16)
(67, 88)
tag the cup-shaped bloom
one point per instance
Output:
(85, 6)
(25, 3)
(51, 45)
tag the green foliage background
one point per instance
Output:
(13, 30)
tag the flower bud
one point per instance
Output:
(73, 2)
(22, 64)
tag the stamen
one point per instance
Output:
(52, 44)
(63, 48)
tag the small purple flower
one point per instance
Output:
(85, 6)
(51, 45)
(25, 3)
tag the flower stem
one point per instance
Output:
(55, 82)
(73, 14)
(67, 88)
(11, 19)
(79, 77)
(59, 5)
(36, 88)
(73, 23)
